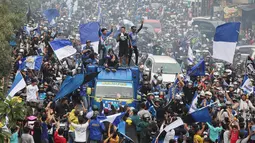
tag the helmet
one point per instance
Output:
(49, 93)
(146, 117)
(94, 108)
(160, 79)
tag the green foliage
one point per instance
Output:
(14, 108)
(13, 16)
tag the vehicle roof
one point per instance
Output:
(205, 18)
(216, 22)
(122, 74)
(162, 59)
(152, 20)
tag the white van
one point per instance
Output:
(169, 65)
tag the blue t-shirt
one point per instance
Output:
(44, 131)
(133, 37)
(14, 138)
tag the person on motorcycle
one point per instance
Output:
(146, 88)
(143, 110)
(245, 106)
(144, 125)
(133, 37)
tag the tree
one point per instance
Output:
(14, 109)
(13, 16)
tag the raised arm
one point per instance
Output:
(140, 27)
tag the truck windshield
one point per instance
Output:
(111, 89)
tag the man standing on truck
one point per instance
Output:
(103, 34)
(124, 44)
(133, 37)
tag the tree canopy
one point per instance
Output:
(13, 16)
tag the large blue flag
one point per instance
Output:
(51, 14)
(199, 115)
(17, 85)
(89, 31)
(198, 69)
(202, 115)
(225, 40)
(31, 62)
(69, 85)
(62, 48)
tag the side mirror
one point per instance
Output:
(147, 70)
(139, 97)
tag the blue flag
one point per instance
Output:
(201, 115)
(198, 69)
(31, 62)
(17, 85)
(62, 48)
(69, 85)
(225, 40)
(89, 31)
(114, 119)
(51, 14)
(193, 106)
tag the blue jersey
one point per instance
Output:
(133, 37)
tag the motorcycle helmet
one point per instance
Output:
(160, 80)
(146, 117)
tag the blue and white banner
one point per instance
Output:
(62, 48)
(17, 85)
(225, 40)
(31, 62)
(89, 31)
(247, 85)
(193, 106)
(114, 119)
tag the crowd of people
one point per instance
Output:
(73, 119)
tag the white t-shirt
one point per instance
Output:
(80, 132)
(31, 92)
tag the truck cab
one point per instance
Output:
(118, 87)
